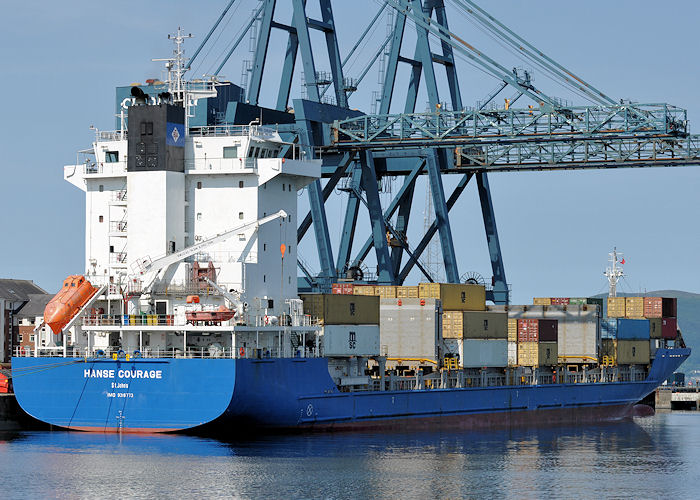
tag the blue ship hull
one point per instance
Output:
(159, 395)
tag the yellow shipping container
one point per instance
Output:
(527, 353)
(542, 301)
(385, 291)
(452, 324)
(407, 292)
(455, 296)
(512, 330)
(634, 307)
(363, 290)
(616, 307)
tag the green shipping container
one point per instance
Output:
(633, 352)
(337, 309)
(485, 325)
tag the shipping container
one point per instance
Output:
(452, 324)
(484, 353)
(633, 352)
(669, 306)
(331, 309)
(342, 288)
(616, 307)
(560, 301)
(632, 329)
(608, 328)
(512, 353)
(512, 330)
(541, 301)
(669, 326)
(363, 290)
(655, 328)
(455, 296)
(485, 325)
(528, 353)
(547, 330)
(528, 330)
(412, 330)
(547, 353)
(578, 301)
(653, 307)
(385, 291)
(634, 307)
(350, 340)
(409, 292)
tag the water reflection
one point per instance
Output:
(648, 457)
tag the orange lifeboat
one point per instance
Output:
(76, 291)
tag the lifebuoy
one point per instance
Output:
(241, 352)
(266, 320)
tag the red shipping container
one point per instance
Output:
(668, 328)
(653, 307)
(548, 330)
(342, 288)
(528, 330)
(560, 301)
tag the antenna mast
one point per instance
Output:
(614, 273)
(176, 65)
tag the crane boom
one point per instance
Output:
(150, 269)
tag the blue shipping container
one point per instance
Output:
(632, 329)
(608, 328)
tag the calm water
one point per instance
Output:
(656, 457)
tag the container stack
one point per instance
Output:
(636, 327)
(484, 340)
(537, 342)
(564, 301)
(350, 322)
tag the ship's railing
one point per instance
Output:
(257, 131)
(110, 135)
(199, 352)
(129, 320)
(221, 164)
(107, 168)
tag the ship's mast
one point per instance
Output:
(176, 66)
(614, 272)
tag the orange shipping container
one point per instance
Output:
(653, 307)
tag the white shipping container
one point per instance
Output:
(578, 328)
(478, 353)
(410, 330)
(512, 353)
(350, 340)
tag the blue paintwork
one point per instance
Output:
(277, 393)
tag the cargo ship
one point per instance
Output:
(187, 313)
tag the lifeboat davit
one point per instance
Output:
(74, 294)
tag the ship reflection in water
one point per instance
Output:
(649, 457)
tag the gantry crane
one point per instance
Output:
(358, 149)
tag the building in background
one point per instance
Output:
(14, 295)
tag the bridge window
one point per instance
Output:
(102, 218)
(111, 156)
(199, 185)
(240, 215)
(101, 188)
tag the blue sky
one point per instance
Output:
(62, 61)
